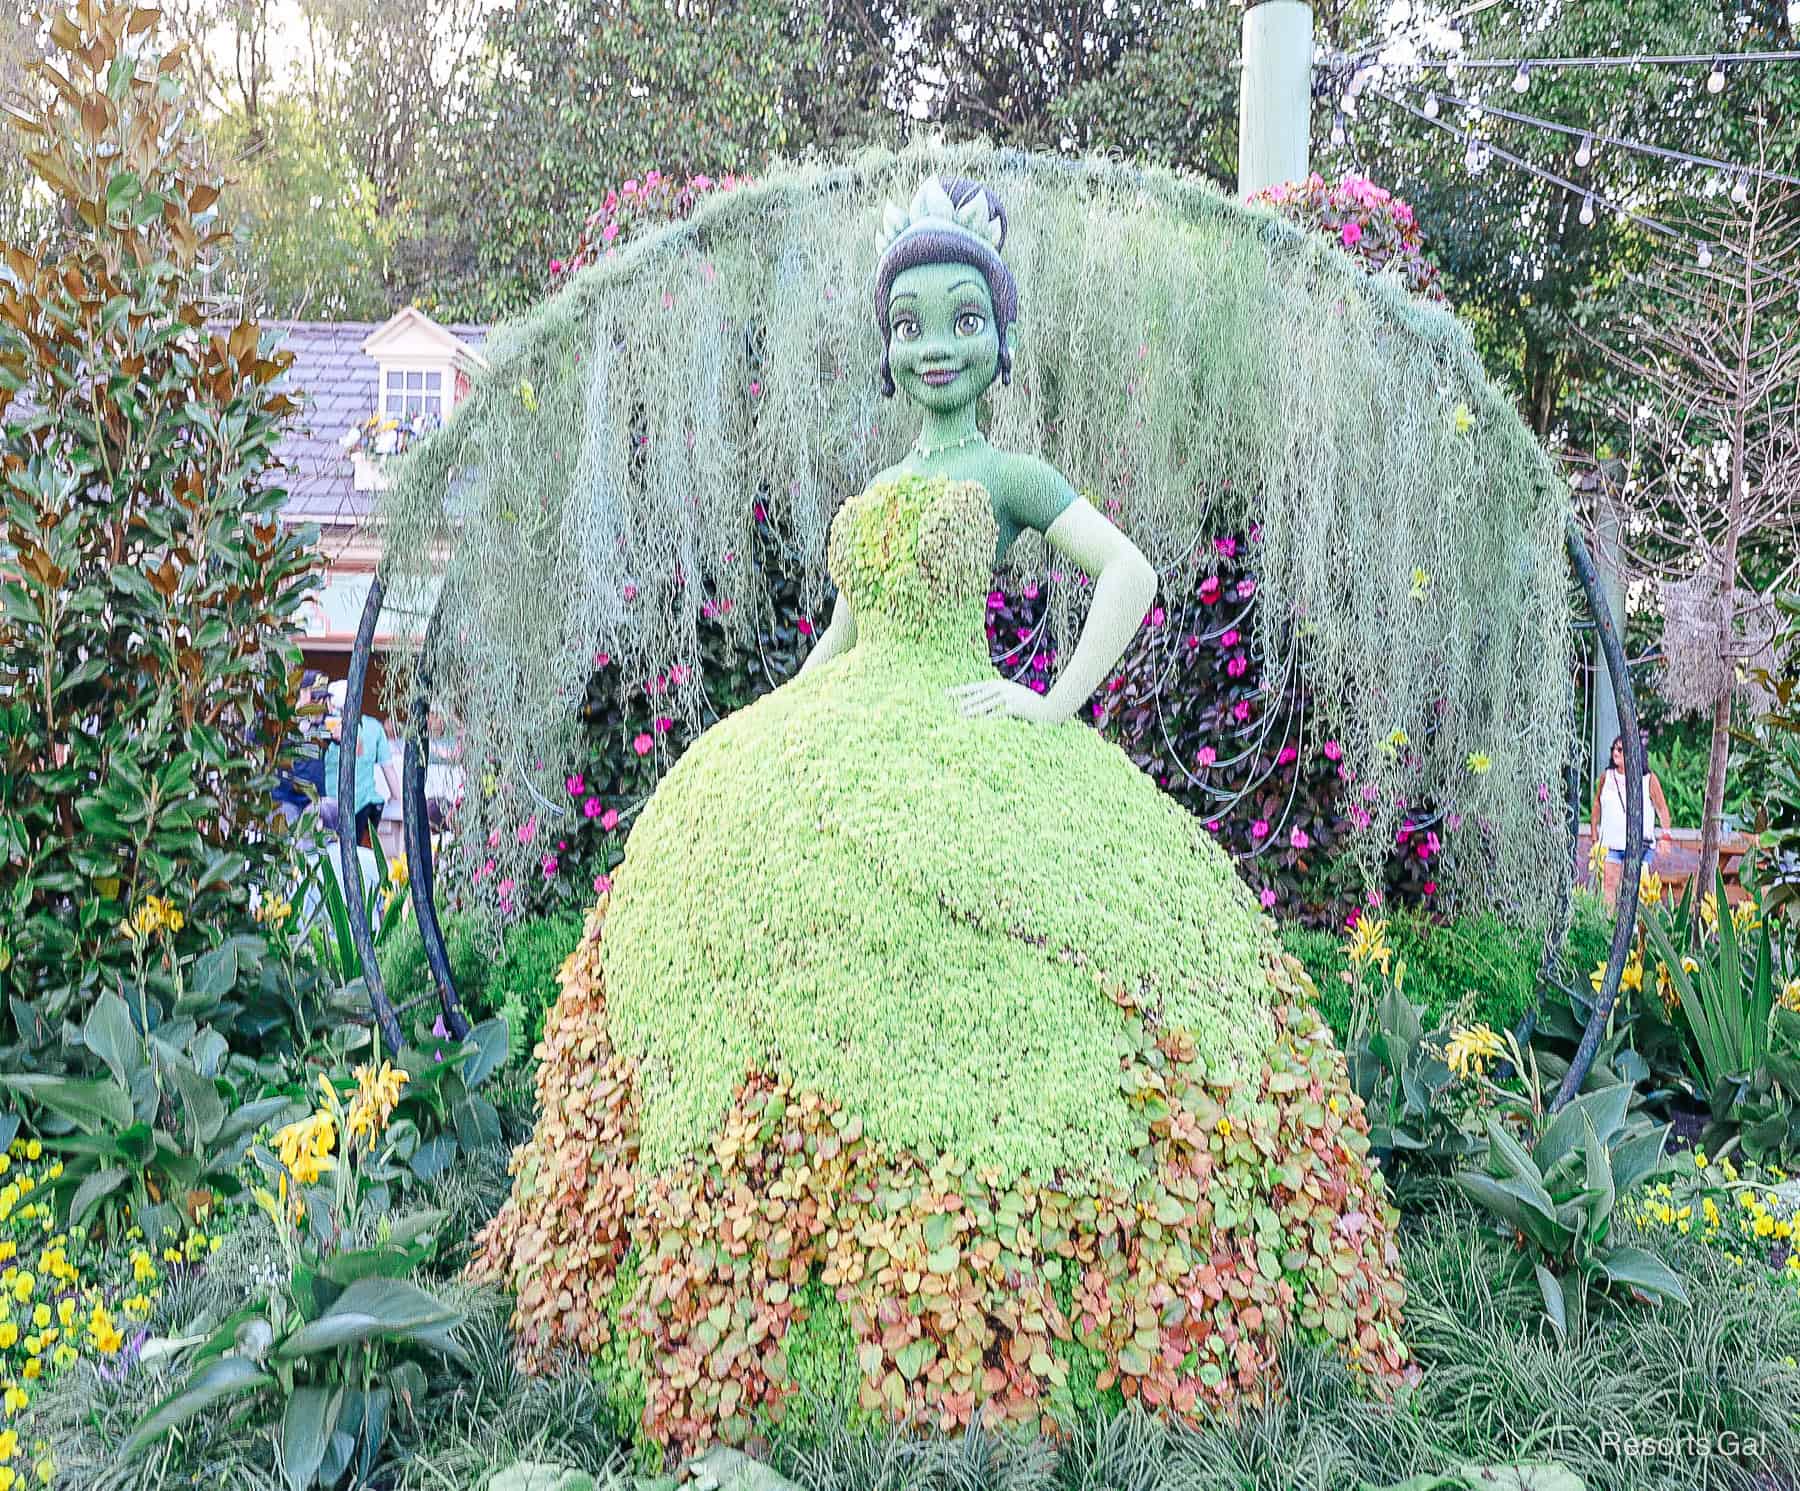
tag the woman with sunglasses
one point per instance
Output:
(1608, 820)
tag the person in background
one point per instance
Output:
(303, 778)
(1608, 820)
(374, 754)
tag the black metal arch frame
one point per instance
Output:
(417, 831)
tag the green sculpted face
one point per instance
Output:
(943, 348)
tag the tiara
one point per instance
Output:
(931, 207)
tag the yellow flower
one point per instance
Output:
(1709, 911)
(1463, 419)
(273, 911)
(398, 874)
(9, 1478)
(106, 1336)
(1744, 918)
(1665, 989)
(33, 1150)
(305, 1147)
(1368, 944)
(65, 1312)
(1596, 860)
(23, 1287)
(142, 1269)
(64, 1357)
(1650, 887)
(1790, 995)
(46, 1470)
(155, 915)
(377, 1094)
(1472, 1049)
(9, 1335)
(1223, 1127)
(1421, 584)
(34, 1369)
(528, 396)
(1479, 764)
(17, 1399)
(1398, 741)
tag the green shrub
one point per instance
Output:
(526, 971)
(406, 975)
(149, 636)
(1479, 956)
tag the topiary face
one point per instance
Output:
(943, 340)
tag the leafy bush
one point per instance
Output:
(1364, 220)
(149, 646)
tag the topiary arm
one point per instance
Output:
(838, 636)
(1124, 583)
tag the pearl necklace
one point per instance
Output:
(926, 452)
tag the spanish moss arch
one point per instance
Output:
(1189, 361)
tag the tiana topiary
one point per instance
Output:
(1023, 1074)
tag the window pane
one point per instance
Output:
(395, 380)
(391, 404)
(412, 406)
(415, 380)
(434, 406)
(434, 381)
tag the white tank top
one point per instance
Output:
(1612, 811)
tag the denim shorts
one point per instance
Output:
(1617, 857)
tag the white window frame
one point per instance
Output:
(407, 389)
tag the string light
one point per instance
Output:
(1584, 152)
(1715, 80)
(1587, 211)
(1704, 257)
(1338, 135)
(1431, 99)
(1686, 59)
(1522, 78)
(1740, 193)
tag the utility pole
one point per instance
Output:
(1275, 95)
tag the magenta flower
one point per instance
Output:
(1230, 639)
(1269, 898)
(1209, 590)
(548, 866)
(1205, 756)
(1286, 756)
(1260, 829)
(1040, 661)
(1300, 839)
(1246, 589)
(663, 722)
(493, 838)
(642, 745)
(602, 884)
(592, 808)
(1193, 641)
(1156, 616)
(556, 266)
(609, 232)
(528, 830)
(575, 785)
(609, 820)
(631, 592)
(1241, 711)
(804, 627)
(1351, 234)
(1429, 887)
(601, 659)
(1226, 546)
(1333, 751)
(678, 675)
(1214, 826)
(1238, 665)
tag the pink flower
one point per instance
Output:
(1156, 616)
(1351, 234)
(996, 600)
(609, 232)
(1268, 898)
(592, 808)
(630, 187)
(678, 675)
(1429, 887)
(1226, 546)
(1040, 661)
(609, 820)
(548, 866)
(1260, 829)
(1193, 641)
(1373, 899)
(1238, 665)
(1286, 756)
(804, 627)
(755, 389)
(1241, 711)
(556, 266)
(663, 722)
(1360, 817)
(1214, 826)
(1300, 839)
(601, 659)
(1209, 590)
(493, 838)
(1246, 589)
(1333, 751)
(1205, 756)
(631, 592)
(483, 872)
(1543, 792)
(528, 830)
(602, 884)
(575, 785)
(700, 183)
(1230, 639)
(643, 745)
(1453, 822)
(1031, 591)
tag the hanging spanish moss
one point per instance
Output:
(1193, 365)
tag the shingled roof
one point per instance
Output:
(337, 385)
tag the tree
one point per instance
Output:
(571, 97)
(1714, 502)
(149, 644)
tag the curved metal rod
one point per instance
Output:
(1625, 923)
(417, 833)
(386, 1021)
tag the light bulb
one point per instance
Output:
(1704, 257)
(1587, 211)
(1522, 78)
(1337, 129)
(1431, 100)
(1740, 193)
(1584, 152)
(1715, 80)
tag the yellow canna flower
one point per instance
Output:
(1744, 919)
(23, 1287)
(1650, 887)
(1470, 1050)
(1709, 911)
(1368, 944)
(1790, 995)
(377, 1095)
